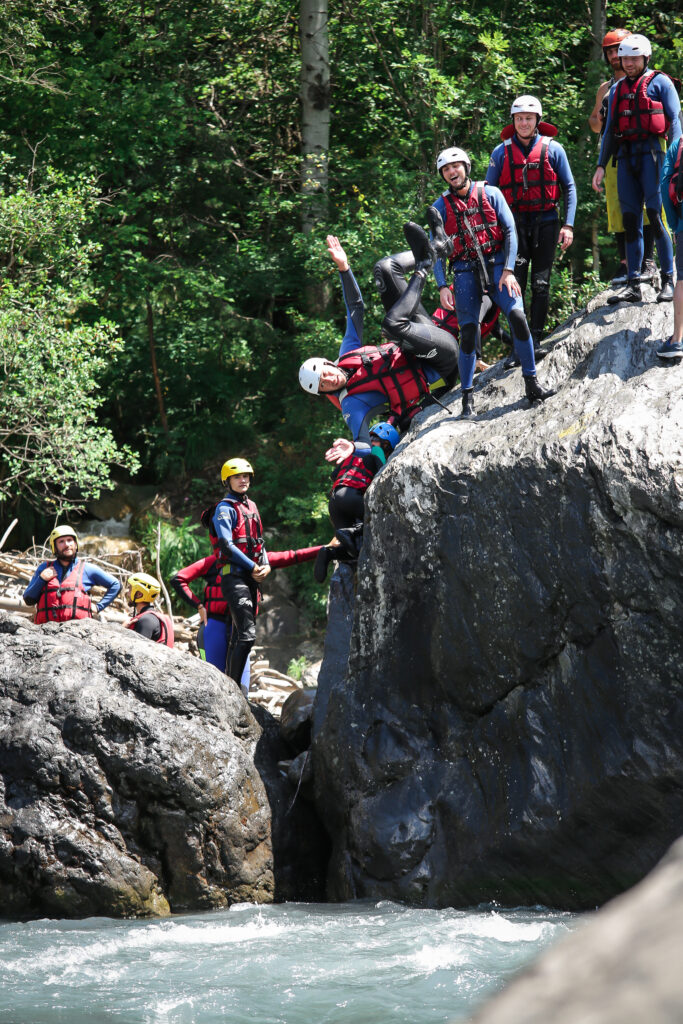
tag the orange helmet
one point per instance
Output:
(613, 38)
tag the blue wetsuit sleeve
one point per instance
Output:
(507, 223)
(35, 588)
(560, 164)
(607, 143)
(359, 410)
(495, 165)
(672, 216)
(224, 521)
(94, 577)
(439, 269)
(355, 313)
(662, 88)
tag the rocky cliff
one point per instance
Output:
(134, 780)
(511, 724)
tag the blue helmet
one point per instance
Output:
(385, 432)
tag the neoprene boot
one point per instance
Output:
(511, 361)
(667, 292)
(539, 353)
(467, 404)
(322, 561)
(420, 246)
(631, 293)
(351, 539)
(534, 391)
(442, 244)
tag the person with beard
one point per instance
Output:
(61, 588)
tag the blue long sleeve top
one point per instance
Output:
(508, 252)
(224, 523)
(661, 88)
(362, 408)
(674, 214)
(559, 163)
(92, 577)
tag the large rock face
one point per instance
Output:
(511, 725)
(127, 779)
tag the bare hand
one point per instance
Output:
(446, 298)
(202, 614)
(340, 450)
(260, 572)
(565, 238)
(334, 247)
(598, 179)
(510, 282)
(48, 574)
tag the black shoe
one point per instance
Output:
(534, 392)
(323, 559)
(511, 361)
(441, 242)
(467, 404)
(667, 292)
(540, 353)
(631, 293)
(621, 276)
(648, 272)
(351, 539)
(420, 246)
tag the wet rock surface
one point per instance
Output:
(127, 779)
(623, 964)
(511, 723)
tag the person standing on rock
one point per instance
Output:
(398, 372)
(532, 171)
(148, 621)
(61, 588)
(236, 535)
(643, 108)
(672, 198)
(615, 222)
(479, 222)
(213, 638)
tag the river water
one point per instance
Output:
(357, 963)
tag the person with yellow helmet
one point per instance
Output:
(147, 620)
(236, 535)
(60, 587)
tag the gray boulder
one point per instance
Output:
(510, 726)
(127, 780)
(621, 965)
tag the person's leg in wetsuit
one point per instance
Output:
(241, 593)
(346, 507)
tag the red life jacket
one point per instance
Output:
(385, 368)
(476, 211)
(528, 181)
(247, 534)
(164, 621)
(352, 472)
(60, 602)
(635, 115)
(213, 600)
(676, 182)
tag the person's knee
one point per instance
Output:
(655, 222)
(382, 274)
(468, 338)
(540, 283)
(631, 227)
(518, 323)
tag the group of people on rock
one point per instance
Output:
(491, 238)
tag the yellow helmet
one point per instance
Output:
(235, 466)
(143, 587)
(62, 531)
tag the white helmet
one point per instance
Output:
(453, 156)
(309, 374)
(635, 46)
(526, 105)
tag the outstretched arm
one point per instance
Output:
(334, 247)
(353, 300)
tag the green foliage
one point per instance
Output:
(179, 546)
(297, 667)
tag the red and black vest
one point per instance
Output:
(166, 636)
(477, 212)
(384, 368)
(213, 600)
(60, 602)
(352, 472)
(635, 115)
(676, 182)
(247, 534)
(528, 181)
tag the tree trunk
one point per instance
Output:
(155, 371)
(315, 110)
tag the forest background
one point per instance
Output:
(168, 173)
